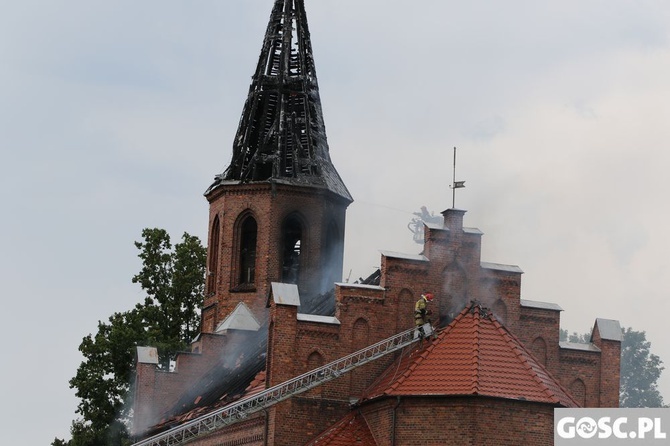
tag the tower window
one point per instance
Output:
(248, 236)
(292, 250)
(213, 266)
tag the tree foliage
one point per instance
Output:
(174, 283)
(575, 337)
(173, 279)
(640, 369)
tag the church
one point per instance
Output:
(290, 355)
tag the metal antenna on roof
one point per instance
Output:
(455, 184)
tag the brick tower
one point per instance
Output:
(277, 213)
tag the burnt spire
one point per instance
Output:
(281, 136)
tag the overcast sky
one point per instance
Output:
(115, 116)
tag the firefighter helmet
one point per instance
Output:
(428, 296)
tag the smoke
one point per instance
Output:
(332, 259)
(458, 290)
(455, 293)
(242, 357)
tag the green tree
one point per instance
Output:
(640, 369)
(174, 283)
(173, 279)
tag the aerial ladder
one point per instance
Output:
(244, 407)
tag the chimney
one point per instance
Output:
(453, 219)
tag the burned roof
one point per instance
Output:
(240, 371)
(372, 279)
(281, 136)
(232, 377)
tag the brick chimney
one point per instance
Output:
(453, 219)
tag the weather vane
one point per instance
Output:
(455, 184)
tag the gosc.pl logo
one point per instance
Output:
(610, 426)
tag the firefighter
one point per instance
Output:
(421, 313)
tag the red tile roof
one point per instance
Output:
(350, 430)
(474, 355)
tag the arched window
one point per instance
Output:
(213, 265)
(539, 349)
(578, 390)
(292, 250)
(361, 334)
(315, 360)
(248, 236)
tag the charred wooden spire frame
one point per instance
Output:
(281, 136)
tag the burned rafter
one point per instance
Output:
(281, 136)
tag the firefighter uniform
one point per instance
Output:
(421, 312)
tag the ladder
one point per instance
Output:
(242, 408)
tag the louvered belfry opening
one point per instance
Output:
(281, 134)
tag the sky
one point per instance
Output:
(115, 116)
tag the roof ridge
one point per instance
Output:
(475, 350)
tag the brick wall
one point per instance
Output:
(541, 327)
(459, 421)
(144, 402)
(501, 291)
(297, 346)
(610, 369)
(581, 366)
(251, 432)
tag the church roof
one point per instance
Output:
(281, 136)
(474, 355)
